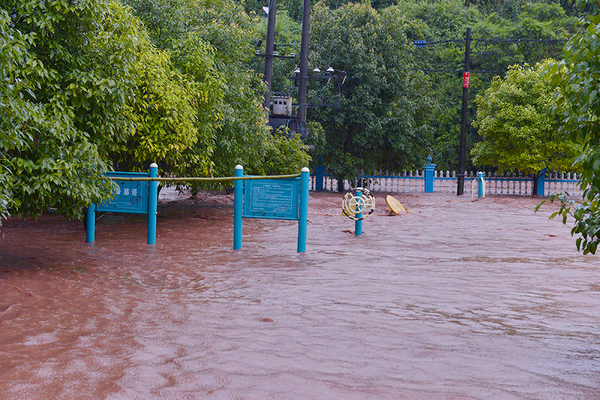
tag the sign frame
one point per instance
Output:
(301, 198)
(272, 199)
(128, 199)
(150, 208)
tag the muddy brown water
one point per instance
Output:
(456, 300)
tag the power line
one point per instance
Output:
(458, 70)
(425, 43)
(519, 40)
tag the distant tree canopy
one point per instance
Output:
(509, 9)
(494, 48)
(382, 120)
(518, 133)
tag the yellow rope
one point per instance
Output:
(196, 179)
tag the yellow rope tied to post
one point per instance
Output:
(205, 179)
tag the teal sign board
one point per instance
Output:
(130, 196)
(272, 198)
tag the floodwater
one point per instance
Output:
(459, 299)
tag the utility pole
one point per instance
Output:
(269, 51)
(463, 120)
(303, 78)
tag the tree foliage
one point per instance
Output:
(231, 94)
(517, 131)
(495, 46)
(85, 88)
(164, 117)
(382, 120)
(579, 102)
(66, 74)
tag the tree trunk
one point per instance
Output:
(340, 184)
(536, 177)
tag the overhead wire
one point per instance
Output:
(331, 37)
(486, 42)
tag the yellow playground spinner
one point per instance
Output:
(395, 205)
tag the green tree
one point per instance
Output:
(445, 20)
(517, 131)
(579, 105)
(174, 111)
(232, 110)
(382, 120)
(66, 74)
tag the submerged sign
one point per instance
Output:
(272, 198)
(276, 198)
(130, 196)
(138, 197)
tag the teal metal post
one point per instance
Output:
(429, 169)
(238, 203)
(90, 223)
(541, 182)
(152, 204)
(480, 184)
(303, 209)
(358, 223)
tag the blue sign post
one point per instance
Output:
(152, 204)
(238, 210)
(271, 199)
(136, 197)
(303, 210)
(541, 182)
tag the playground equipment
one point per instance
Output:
(273, 197)
(395, 206)
(357, 205)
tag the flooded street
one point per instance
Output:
(456, 300)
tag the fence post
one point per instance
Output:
(319, 175)
(480, 185)
(152, 203)
(238, 198)
(541, 182)
(429, 168)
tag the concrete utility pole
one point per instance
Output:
(303, 78)
(269, 51)
(463, 121)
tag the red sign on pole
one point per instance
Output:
(466, 80)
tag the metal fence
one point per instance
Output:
(446, 182)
